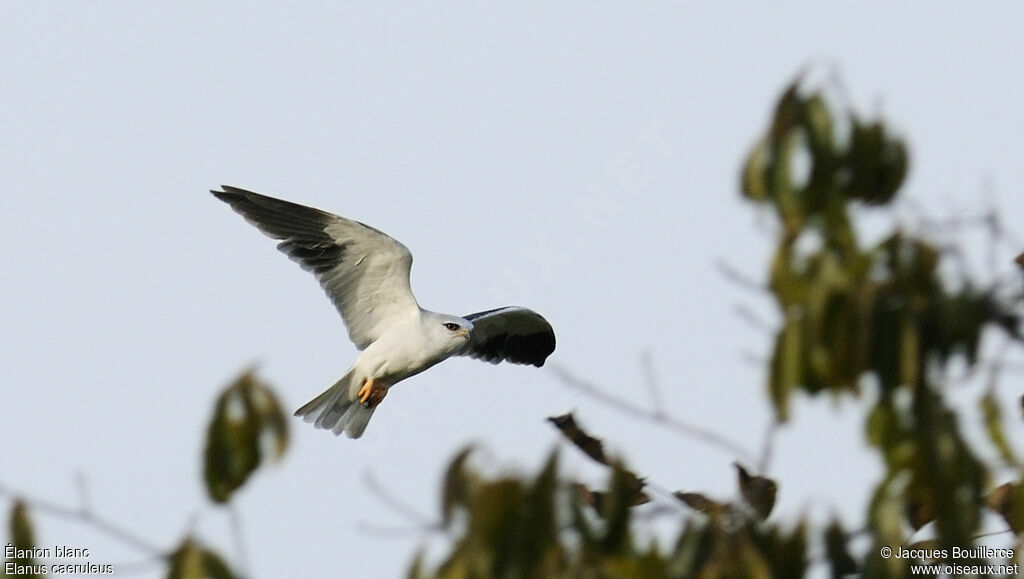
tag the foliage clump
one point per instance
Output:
(855, 317)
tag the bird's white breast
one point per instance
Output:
(405, 350)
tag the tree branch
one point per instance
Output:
(658, 416)
(768, 447)
(420, 523)
(239, 540)
(647, 363)
(733, 275)
(86, 516)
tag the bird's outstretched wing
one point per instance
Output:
(364, 271)
(512, 334)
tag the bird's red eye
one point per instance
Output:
(452, 327)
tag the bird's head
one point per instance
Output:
(452, 331)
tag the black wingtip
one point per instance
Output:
(546, 349)
(228, 192)
(225, 193)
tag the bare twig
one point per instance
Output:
(239, 540)
(753, 359)
(994, 228)
(420, 522)
(659, 417)
(86, 516)
(137, 567)
(959, 258)
(732, 274)
(669, 497)
(83, 491)
(647, 363)
(768, 447)
(748, 315)
(397, 531)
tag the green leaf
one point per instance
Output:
(884, 346)
(885, 520)
(738, 556)
(592, 447)
(754, 182)
(247, 419)
(839, 558)
(877, 164)
(216, 567)
(701, 503)
(538, 529)
(598, 499)
(789, 200)
(23, 563)
(22, 535)
(786, 553)
(787, 365)
(910, 353)
(580, 524)
(993, 416)
(789, 287)
(829, 332)
(960, 320)
(888, 429)
(192, 561)
(787, 112)
(758, 491)
(416, 569)
(1008, 500)
(616, 512)
(817, 121)
(492, 523)
(456, 487)
(948, 479)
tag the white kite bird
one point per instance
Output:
(366, 274)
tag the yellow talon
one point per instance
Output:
(366, 390)
(371, 393)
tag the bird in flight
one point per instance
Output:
(366, 274)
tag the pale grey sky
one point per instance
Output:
(580, 159)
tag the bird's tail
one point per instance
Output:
(337, 409)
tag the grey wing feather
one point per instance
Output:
(364, 271)
(510, 334)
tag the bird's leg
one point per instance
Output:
(370, 394)
(365, 390)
